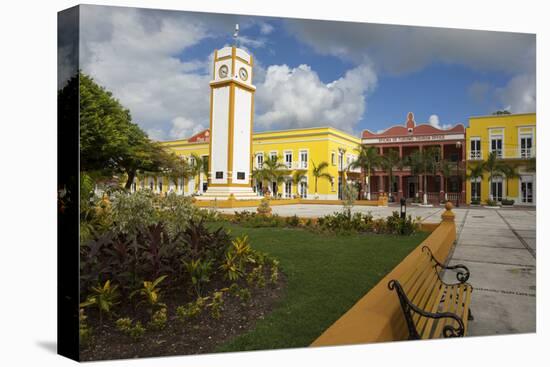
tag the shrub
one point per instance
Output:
(200, 242)
(127, 326)
(104, 298)
(244, 295)
(176, 211)
(357, 222)
(131, 212)
(158, 320)
(137, 331)
(475, 201)
(256, 277)
(124, 324)
(216, 306)
(293, 221)
(492, 202)
(508, 202)
(151, 293)
(85, 331)
(199, 271)
(191, 309)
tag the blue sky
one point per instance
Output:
(352, 76)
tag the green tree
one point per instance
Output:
(424, 162)
(509, 172)
(389, 161)
(494, 167)
(447, 170)
(109, 141)
(368, 158)
(317, 173)
(272, 170)
(197, 167)
(297, 177)
(476, 172)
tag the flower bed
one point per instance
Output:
(156, 280)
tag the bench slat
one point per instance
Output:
(425, 325)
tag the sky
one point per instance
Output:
(351, 76)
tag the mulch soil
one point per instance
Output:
(201, 334)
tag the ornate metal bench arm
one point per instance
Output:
(463, 273)
(449, 331)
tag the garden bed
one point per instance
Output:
(199, 335)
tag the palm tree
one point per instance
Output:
(424, 163)
(297, 177)
(532, 164)
(272, 171)
(475, 173)
(180, 169)
(318, 173)
(494, 167)
(389, 161)
(367, 159)
(509, 172)
(447, 170)
(198, 166)
(415, 163)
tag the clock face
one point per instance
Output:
(243, 74)
(223, 71)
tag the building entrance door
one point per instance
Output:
(527, 189)
(411, 187)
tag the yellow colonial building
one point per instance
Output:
(298, 149)
(512, 138)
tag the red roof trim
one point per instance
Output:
(200, 137)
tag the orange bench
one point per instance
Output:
(431, 307)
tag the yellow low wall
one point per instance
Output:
(275, 202)
(377, 317)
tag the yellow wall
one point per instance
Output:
(510, 127)
(320, 143)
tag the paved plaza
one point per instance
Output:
(499, 248)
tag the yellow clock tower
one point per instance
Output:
(231, 120)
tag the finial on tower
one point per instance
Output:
(410, 120)
(236, 35)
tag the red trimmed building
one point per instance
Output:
(408, 138)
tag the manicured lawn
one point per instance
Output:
(326, 275)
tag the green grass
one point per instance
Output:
(326, 275)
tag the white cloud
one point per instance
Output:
(296, 97)
(266, 28)
(134, 55)
(434, 121)
(402, 49)
(184, 128)
(519, 95)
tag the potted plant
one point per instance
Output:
(507, 202)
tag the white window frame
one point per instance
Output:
(495, 136)
(526, 153)
(288, 189)
(303, 164)
(476, 181)
(303, 188)
(258, 163)
(333, 158)
(475, 154)
(286, 154)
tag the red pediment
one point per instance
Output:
(411, 129)
(201, 137)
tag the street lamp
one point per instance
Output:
(403, 208)
(459, 184)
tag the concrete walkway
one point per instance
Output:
(499, 248)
